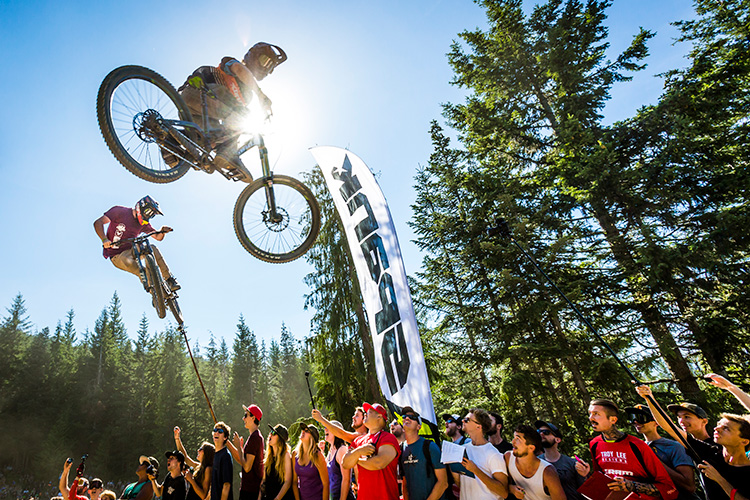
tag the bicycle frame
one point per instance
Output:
(202, 151)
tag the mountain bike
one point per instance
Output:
(144, 120)
(153, 282)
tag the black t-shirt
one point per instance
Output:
(737, 476)
(222, 473)
(503, 446)
(174, 488)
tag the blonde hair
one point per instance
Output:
(108, 495)
(275, 458)
(307, 452)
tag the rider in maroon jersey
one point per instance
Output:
(125, 223)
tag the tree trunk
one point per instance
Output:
(643, 302)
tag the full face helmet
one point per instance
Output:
(146, 208)
(262, 59)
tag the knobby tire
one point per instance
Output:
(155, 284)
(271, 243)
(140, 89)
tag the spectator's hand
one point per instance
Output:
(709, 470)
(189, 475)
(166, 229)
(619, 484)
(644, 391)
(469, 465)
(719, 381)
(238, 441)
(176, 433)
(317, 416)
(67, 465)
(516, 491)
(582, 468)
(107, 244)
(151, 477)
(366, 450)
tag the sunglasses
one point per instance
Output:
(245, 415)
(639, 418)
(467, 419)
(544, 432)
(145, 464)
(411, 416)
(273, 432)
(220, 431)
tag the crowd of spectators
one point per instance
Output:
(382, 460)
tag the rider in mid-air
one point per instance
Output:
(125, 223)
(230, 86)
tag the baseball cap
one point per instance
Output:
(253, 410)
(552, 427)
(691, 407)
(177, 454)
(314, 432)
(377, 407)
(408, 410)
(150, 460)
(451, 418)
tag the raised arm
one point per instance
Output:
(725, 384)
(237, 449)
(665, 423)
(63, 484)
(181, 448)
(335, 430)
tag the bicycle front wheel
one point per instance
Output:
(175, 308)
(287, 236)
(130, 99)
(155, 285)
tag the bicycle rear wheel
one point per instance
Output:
(287, 238)
(130, 99)
(155, 284)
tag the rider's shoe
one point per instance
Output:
(170, 158)
(227, 152)
(173, 284)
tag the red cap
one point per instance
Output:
(377, 407)
(254, 410)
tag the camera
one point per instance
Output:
(152, 471)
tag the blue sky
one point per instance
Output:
(367, 76)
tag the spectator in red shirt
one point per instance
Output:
(251, 458)
(632, 464)
(375, 455)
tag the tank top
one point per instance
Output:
(308, 481)
(272, 485)
(335, 477)
(533, 486)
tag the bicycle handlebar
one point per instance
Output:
(139, 237)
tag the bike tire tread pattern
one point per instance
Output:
(155, 283)
(104, 96)
(175, 308)
(276, 258)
